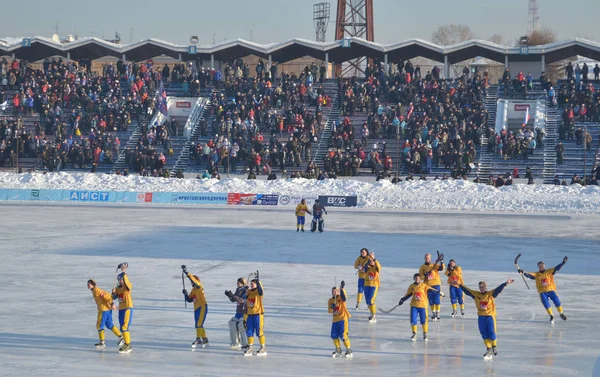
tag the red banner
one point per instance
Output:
(183, 105)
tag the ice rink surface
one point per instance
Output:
(47, 314)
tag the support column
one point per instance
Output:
(326, 65)
(543, 63)
(446, 68)
(333, 70)
(124, 58)
(68, 57)
(385, 64)
(180, 59)
(212, 61)
(505, 61)
(270, 62)
(13, 56)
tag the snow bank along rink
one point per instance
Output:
(48, 316)
(451, 195)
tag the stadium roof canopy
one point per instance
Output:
(40, 47)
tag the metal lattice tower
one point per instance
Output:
(532, 17)
(321, 13)
(354, 19)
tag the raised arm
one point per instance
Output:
(468, 291)
(559, 266)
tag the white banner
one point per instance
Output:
(293, 201)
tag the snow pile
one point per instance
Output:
(414, 195)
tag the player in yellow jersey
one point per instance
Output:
(122, 292)
(200, 307)
(544, 281)
(486, 312)
(430, 275)
(371, 270)
(301, 211)
(455, 279)
(359, 264)
(418, 305)
(255, 321)
(105, 304)
(339, 327)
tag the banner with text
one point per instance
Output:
(338, 201)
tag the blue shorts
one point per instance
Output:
(125, 316)
(339, 330)
(361, 285)
(547, 296)
(200, 316)
(371, 295)
(456, 295)
(487, 327)
(418, 313)
(254, 325)
(105, 319)
(301, 220)
(434, 296)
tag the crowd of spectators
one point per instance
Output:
(79, 112)
(439, 122)
(264, 122)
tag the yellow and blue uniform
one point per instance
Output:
(544, 281)
(430, 276)
(254, 309)
(200, 306)
(372, 285)
(301, 210)
(104, 301)
(359, 264)
(418, 304)
(486, 312)
(123, 294)
(455, 279)
(339, 326)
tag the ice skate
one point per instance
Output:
(297, 230)
(425, 337)
(248, 351)
(197, 343)
(262, 351)
(357, 306)
(462, 312)
(204, 342)
(494, 351)
(433, 318)
(454, 314)
(552, 319)
(414, 337)
(235, 346)
(126, 348)
(120, 342)
(337, 353)
(302, 230)
(100, 344)
(488, 354)
(349, 353)
(563, 316)
(372, 319)
(437, 316)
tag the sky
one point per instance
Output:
(268, 21)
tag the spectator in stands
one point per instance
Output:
(597, 73)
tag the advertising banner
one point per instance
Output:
(338, 201)
(294, 200)
(235, 198)
(198, 198)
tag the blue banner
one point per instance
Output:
(88, 196)
(338, 201)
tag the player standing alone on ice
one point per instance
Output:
(123, 292)
(418, 305)
(372, 270)
(237, 324)
(430, 276)
(359, 264)
(317, 221)
(255, 320)
(200, 307)
(339, 328)
(105, 307)
(486, 312)
(301, 210)
(455, 279)
(544, 281)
